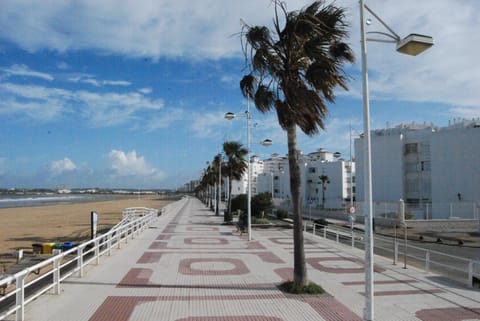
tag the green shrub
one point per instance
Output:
(292, 287)
(321, 221)
(260, 220)
(262, 203)
(281, 214)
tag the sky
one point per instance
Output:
(132, 94)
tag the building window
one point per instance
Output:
(312, 170)
(411, 148)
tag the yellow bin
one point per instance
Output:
(47, 248)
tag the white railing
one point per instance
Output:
(23, 287)
(457, 268)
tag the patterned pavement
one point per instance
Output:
(190, 267)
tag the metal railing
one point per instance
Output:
(25, 286)
(464, 270)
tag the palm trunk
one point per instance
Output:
(299, 268)
(229, 216)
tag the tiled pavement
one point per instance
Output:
(190, 267)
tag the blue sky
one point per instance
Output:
(132, 93)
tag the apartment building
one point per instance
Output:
(434, 169)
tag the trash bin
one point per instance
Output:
(67, 246)
(37, 248)
(47, 248)
(57, 246)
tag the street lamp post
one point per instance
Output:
(413, 45)
(266, 142)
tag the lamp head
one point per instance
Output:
(414, 44)
(267, 142)
(229, 116)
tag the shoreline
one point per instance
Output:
(65, 222)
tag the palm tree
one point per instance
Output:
(294, 71)
(235, 168)
(217, 167)
(206, 183)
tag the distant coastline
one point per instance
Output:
(23, 200)
(41, 197)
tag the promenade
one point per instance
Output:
(189, 267)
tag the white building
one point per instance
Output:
(435, 170)
(241, 186)
(329, 183)
(333, 192)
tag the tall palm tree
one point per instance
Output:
(235, 168)
(294, 71)
(219, 171)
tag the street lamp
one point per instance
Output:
(266, 143)
(413, 45)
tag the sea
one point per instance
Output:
(22, 200)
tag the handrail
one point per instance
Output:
(59, 266)
(471, 266)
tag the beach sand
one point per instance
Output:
(20, 227)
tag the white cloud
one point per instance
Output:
(129, 164)
(25, 71)
(210, 29)
(145, 91)
(165, 119)
(116, 82)
(207, 124)
(89, 79)
(63, 65)
(198, 29)
(99, 109)
(62, 166)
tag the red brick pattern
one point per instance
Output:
(239, 268)
(406, 292)
(315, 263)
(202, 229)
(449, 314)
(149, 257)
(136, 277)
(331, 309)
(285, 273)
(205, 240)
(382, 282)
(232, 318)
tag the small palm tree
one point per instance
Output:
(235, 168)
(294, 70)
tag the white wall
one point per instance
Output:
(387, 172)
(455, 167)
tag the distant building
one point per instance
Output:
(333, 192)
(433, 169)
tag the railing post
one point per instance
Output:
(337, 236)
(109, 243)
(119, 238)
(470, 274)
(395, 254)
(427, 261)
(80, 261)
(325, 232)
(20, 297)
(56, 275)
(353, 238)
(313, 229)
(304, 226)
(97, 251)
